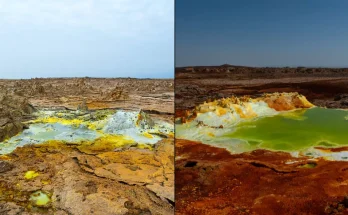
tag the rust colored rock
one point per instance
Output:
(258, 182)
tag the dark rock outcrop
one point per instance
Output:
(13, 110)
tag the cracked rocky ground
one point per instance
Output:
(58, 177)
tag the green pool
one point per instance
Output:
(296, 130)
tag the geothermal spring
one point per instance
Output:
(104, 129)
(279, 122)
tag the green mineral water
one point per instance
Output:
(295, 130)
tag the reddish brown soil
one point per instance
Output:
(210, 180)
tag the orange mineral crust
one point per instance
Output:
(211, 180)
(243, 105)
(286, 101)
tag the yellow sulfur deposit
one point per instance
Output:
(72, 122)
(147, 135)
(30, 175)
(45, 182)
(59, 120)
(105, 143)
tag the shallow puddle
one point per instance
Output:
(39, 198)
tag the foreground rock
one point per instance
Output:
(133, 181)
(14, 110)
(210, 180)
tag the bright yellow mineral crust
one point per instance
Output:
(30, 175)
(73, 122)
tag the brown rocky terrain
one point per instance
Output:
(86, 180)
(322, 86)
(99, 93)
(211, 180)
(131, 181)
(20, 97)
(13, 110)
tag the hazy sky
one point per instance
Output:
(96, 38)
(262, 33)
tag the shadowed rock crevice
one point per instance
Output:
(271, 167)
(191, 164)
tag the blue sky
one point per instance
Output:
(77, 38)
(262, 33)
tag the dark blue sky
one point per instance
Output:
(262, 33)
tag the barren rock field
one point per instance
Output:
(81, 146)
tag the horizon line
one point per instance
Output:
(87, 77)
(222, 65)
